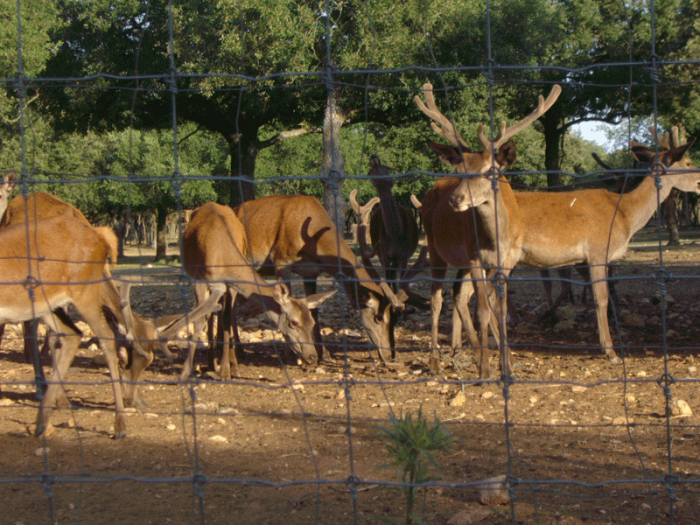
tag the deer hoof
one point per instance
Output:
(615, 360)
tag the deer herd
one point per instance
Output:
(52, 258)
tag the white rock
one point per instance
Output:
(679, 408)
(494, 491)
(459, 400)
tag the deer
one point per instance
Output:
(592, 226)
(35, 206)
(295, 234)
(215, 251)
(463, 238)
(393, 230)
(52, 263)
(621, 182)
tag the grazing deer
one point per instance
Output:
(36, 206)
(591, 227)
(295, 234)
(466, 239)
(56, 262)
(215, 249)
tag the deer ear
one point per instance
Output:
(677, 154)
(643, 154)
(507, 154)
(281, 293)
(314, 301)
(447, 154)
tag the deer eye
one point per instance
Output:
(294, 323)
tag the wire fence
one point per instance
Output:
(574, 438)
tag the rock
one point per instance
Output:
(494, 491)
(578, 388)
(634, 321)
(466, 517)
(693, 370)
(487, 395)
(459, 400)
(679, 408)
(218, 439)
(171, 427)
(41, 451)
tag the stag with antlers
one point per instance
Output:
(465, 239)
(591, 227)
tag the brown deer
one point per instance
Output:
(465, 239)
(36, 206)
(294, 234)
(61, 261)
(215, 252)
(591, 227)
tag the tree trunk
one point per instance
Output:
(332, 174)
(161, 233)
(552, 141)
(244, 153)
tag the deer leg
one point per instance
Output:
(228, 357)
(479, 349)
(438, 274)
(203, 305)
(310, 286)
(600, 295)
(214, 337)
(457, 327)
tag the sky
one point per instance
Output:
(590, 132)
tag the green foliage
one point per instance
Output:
(412, 445)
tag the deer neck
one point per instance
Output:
(641, 203)
(390, 211)
(499, 216)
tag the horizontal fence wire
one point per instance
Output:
(292, 440)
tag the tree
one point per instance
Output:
(228, 60)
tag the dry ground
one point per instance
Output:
(586, 442)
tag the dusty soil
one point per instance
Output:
(586, 441)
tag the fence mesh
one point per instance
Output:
(575, 438)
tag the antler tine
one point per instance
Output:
(442, 125)
(363, 213)
(125, 305)
(506, 133)
(675, 141)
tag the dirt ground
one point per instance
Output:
(586, 441)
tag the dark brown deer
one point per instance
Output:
(393, 229)
(465, 239)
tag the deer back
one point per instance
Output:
(65, 255)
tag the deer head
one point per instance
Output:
(681, 172)
(496, 155)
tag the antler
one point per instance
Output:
(669, 141)
(363, 213)
(506, 133)
(128, 314)
(362, 223)
(442, 125)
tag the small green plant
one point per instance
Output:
(412, 444)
